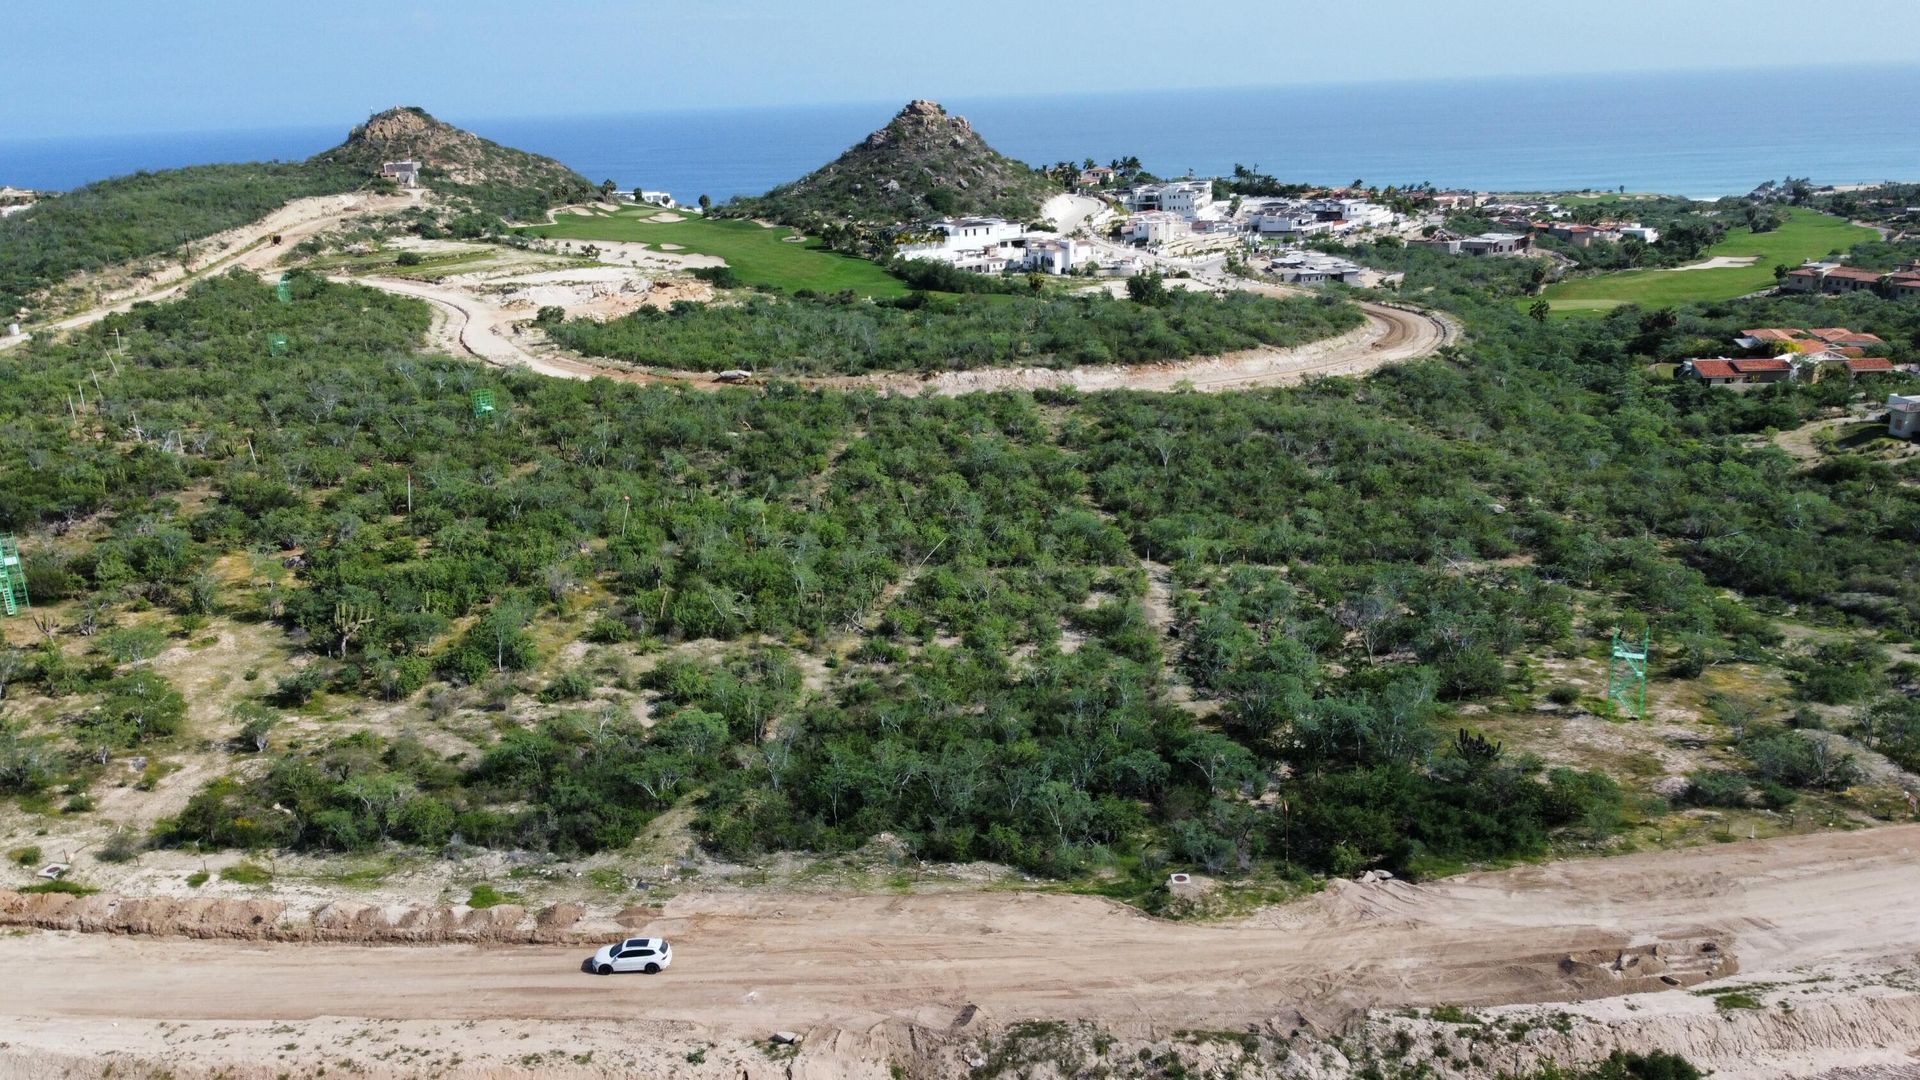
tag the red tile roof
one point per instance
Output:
(1870, 363)
(1803, 272)
(1834, 335)
(1712, 369)
(1774, 334)
(1747, 367)
(1852, 273)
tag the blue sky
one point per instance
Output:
(81, 67)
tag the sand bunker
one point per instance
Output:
(1718, 262)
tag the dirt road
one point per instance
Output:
(247, 247)
(745, 964)
(474, 326)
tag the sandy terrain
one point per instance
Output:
(1067, 213)
(1718, 262)
(748, 964)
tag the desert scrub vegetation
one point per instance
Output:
(931, 332)
(148, 213)
(1241, 633)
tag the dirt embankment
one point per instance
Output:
(276, 920)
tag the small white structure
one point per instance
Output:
(662, 199)
(1644, 233)
(1903, 416)
(404, 173)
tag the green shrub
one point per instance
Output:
(247, 873)
(25, 856)
(1717, 787)
(486, 896)
(123, 846)
(299, 687)
(60, 885)
(1797, 760)
(569, 686)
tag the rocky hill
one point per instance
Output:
(924, 163)
(496, 179)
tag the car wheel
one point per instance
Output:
(603, 969)
(653, 969)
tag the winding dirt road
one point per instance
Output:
(746, 964)
(472, 326)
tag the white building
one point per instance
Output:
(656, 198)
(976, 232)
(1052, 255)
(404, 173)
(1644, 233)
(993, 245)
(1317, 268)
(1188, 198)
(1903, 416)
(1155, 227)
(1291, 222)
(1356, 213)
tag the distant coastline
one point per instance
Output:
(1700, 135)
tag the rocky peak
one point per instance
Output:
(923, 119)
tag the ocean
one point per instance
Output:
(1701, 135)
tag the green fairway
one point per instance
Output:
(1805, 235)
(757, 254)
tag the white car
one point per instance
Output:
(649, 954)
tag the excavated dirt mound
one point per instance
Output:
(340, 921)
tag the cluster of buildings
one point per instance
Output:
(1159, 213)
(995, 245)
(1330, 216)
(1585, 236)
(1793, 354)
(1829, 278)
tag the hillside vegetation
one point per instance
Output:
(1249, 633)
(155, 213)
(149, 213)
(924, 332)
(924, 163)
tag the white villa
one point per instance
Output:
(1155, 227)
(994, 245)
(1188, 198)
